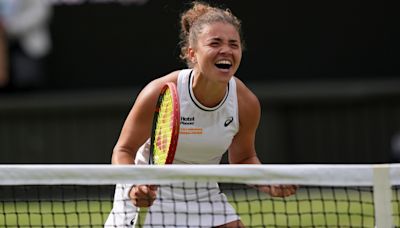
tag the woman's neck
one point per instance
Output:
(209, 93)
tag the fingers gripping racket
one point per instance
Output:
(164, 134)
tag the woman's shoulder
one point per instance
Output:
(245, 95)
(170, 77)
(153, 88)
(248, 103)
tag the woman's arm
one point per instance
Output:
(135, 131)
(137, 127)
(242, 149)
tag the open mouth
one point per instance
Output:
(223, 64)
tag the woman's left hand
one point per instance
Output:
(278, 190)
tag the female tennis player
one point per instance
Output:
(218, 114)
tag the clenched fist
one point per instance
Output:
(143, 195)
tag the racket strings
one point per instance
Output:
(163, 133)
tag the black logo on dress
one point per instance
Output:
(187, 120)
(228, 121)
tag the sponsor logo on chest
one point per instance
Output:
(187, 120)
(187, 127)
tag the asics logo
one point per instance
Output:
(228, 121)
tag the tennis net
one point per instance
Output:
(83, 195)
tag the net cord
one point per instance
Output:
(319, 175)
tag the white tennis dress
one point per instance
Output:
(205, 135)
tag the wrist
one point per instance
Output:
(126, 189)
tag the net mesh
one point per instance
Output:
(190, 202)
(55, 206)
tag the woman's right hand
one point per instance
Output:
(143, 195)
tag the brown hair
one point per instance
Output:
(193, 20)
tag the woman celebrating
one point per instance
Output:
(218, 114)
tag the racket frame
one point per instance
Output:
(175, 123)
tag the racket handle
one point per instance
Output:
(141, 214)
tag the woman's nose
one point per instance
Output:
(225, 49)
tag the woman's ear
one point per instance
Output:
(192, 55)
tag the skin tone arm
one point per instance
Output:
(137, 126)
(242, 149)
(135, 132)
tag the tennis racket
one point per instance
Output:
(165, 129)
(164, 134)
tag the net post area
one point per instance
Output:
(382, 196)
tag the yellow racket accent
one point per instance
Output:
(163, 131)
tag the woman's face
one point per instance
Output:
(218, 51)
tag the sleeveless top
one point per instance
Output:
(205, 132)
